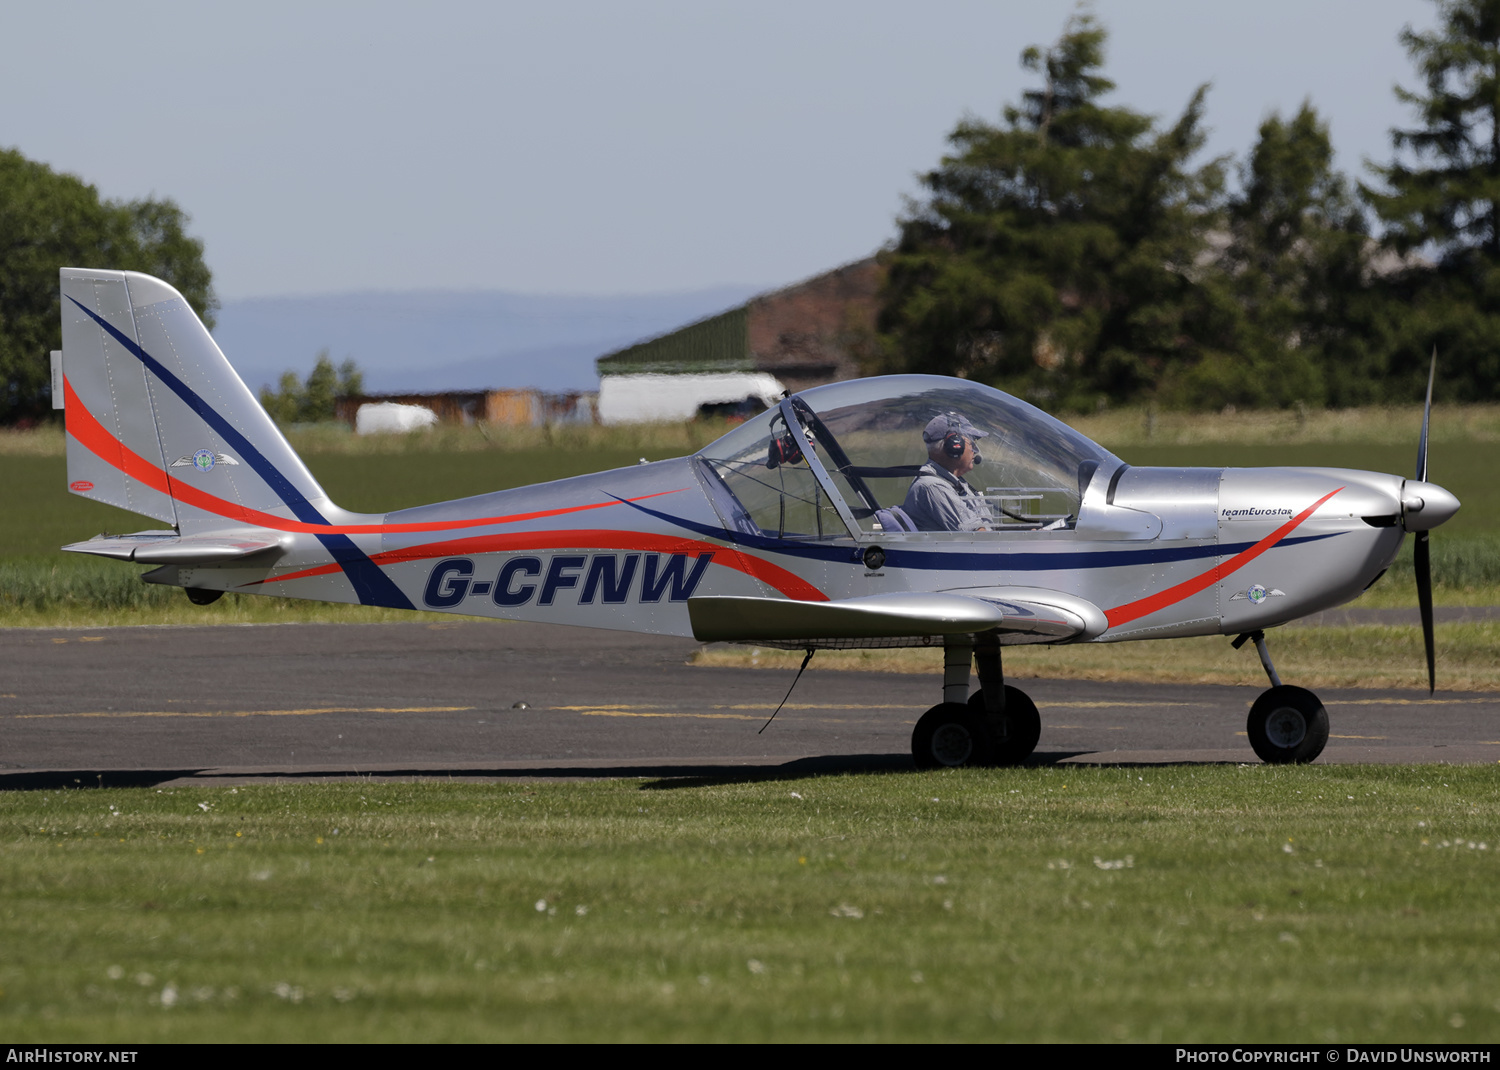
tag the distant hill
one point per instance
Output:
(453, 340)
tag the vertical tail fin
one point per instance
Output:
(158, 422)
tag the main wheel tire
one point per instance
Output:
(1015, 732)
(1287, 724)
(949, 736)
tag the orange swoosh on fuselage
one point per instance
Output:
(1162, 599)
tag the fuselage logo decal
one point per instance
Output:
(1257, 594)
(583, 579)
(1255, 512)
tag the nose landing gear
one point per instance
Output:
(1287, 724)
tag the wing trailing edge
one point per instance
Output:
(879, 616)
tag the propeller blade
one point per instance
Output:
(1426, 419)
(1422, 551)
(1422, 565)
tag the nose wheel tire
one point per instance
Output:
(1287, 725)
(948, 736)
(1016, 731)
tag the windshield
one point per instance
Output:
(763, 467)
(897, 450)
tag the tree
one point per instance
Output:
(49, 221)
(1060, 253)
(1296, 262)
(316, 400)
(1448, 196)
(1442, 194)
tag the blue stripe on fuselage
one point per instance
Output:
(373, 586)
(897, 556)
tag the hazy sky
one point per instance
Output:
(609, 147)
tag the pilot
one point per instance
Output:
(940, 499)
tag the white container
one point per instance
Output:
(392, 418)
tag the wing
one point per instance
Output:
(1020, 614)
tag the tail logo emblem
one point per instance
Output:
(204, 460)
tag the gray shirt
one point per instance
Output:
(939, 501)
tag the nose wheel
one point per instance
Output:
(1287, 725)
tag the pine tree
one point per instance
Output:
(1442, 194)
(1060, 253)
(1295, 259)
(1448, 195)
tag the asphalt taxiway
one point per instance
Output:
(235, 704)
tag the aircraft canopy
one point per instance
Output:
(839, 460)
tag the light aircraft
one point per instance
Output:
(788, 531)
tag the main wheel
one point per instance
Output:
(949, 735)
(1016, 731)
(1287, 724)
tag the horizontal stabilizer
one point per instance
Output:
(878, 616)
(169, 548)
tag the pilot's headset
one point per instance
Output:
(783, 449)
(953, 441)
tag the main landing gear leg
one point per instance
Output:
(997, 725)
(1287, 724)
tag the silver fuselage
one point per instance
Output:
(1162, 552)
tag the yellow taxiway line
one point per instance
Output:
(247, 713)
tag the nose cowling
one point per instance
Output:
(1426, 505)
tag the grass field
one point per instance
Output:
(41, 587)
(1382, 656)
(380, 473)
(1183, 903)
(1393, 425)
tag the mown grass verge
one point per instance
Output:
(1136, 425)
(41, 587)
(1115, 428)
(1379, 656)
(71, 591)
(1184, 903)
(336, 439)
(90, 592)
